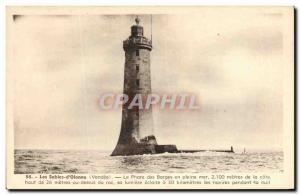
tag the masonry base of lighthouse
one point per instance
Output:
(140, 149)
(135, 148)
(148, 145)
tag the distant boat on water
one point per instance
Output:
(244, 152)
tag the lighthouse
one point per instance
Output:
(137, 136)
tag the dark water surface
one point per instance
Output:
(92, 161)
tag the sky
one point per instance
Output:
(231, 60)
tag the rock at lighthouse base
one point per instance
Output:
(133, 149)
(146, 145)
(140, 149)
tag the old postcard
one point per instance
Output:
(150, 98)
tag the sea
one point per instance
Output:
(93, 161)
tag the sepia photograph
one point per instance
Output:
(150, 97)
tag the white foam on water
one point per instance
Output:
(71, 161)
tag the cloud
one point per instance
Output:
(63, 64)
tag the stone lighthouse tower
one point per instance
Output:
(136, 135)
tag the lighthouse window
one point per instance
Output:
(137, 52)
(137, 68)
(138, 82)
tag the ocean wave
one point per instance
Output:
(36, 161)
